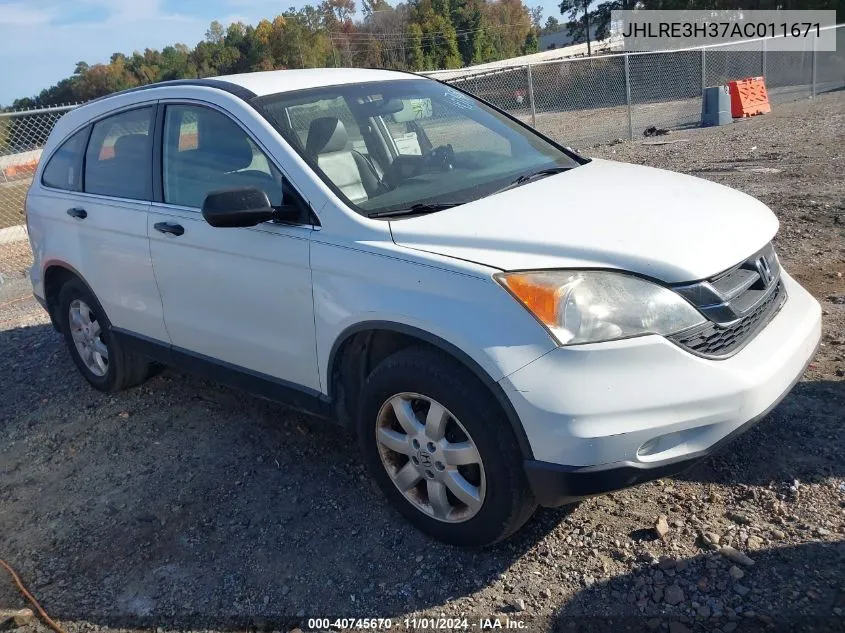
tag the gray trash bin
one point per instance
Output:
(716, 106)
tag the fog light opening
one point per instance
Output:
(650, 447)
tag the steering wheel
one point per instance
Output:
(441, 158)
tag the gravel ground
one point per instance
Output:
(181, 504)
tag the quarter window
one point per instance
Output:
(63, 168)
(204, 151)
(119, 157)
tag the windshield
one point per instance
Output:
(409, 145)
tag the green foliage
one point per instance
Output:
(414, 35)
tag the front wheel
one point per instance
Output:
(441, 451)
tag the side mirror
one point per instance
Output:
(246, 206)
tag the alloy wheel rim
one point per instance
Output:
(86, 332)
(430, 457)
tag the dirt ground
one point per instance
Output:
(181, 504)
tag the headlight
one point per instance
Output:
(591, 306)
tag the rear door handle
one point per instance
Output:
(169, 227)
(78, 213)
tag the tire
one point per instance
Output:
(121, 368)
(414, 380)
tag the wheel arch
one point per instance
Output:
(360, 347)
(56, 274)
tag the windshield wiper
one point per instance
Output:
(420, 208)
(524, 178)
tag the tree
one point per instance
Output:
(215, 33)
(532, 44)
(536, 14)
(510, 22)
(552, 25)
(579, 28)
(414, 56)
(415, 34)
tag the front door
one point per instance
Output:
(237, 295)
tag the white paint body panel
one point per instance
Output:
(597, 404)
(602, 215)
(242, 296)
(109, 249)
(277, 299)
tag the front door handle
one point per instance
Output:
(78, 213)
(169, 227)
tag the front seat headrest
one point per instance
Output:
(326, 134)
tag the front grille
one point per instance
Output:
(738, 304)
(714, 340)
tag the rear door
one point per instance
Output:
(90, 212)
(112, 220)
(238, 296)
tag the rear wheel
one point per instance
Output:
(441, 451)
(100, 357)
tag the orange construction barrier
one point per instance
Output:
(749, 97)
(20, 171)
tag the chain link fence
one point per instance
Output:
(579, 101)
(583, 101)
(22, 135)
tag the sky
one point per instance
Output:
(41, 40)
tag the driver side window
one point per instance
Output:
(204, 151)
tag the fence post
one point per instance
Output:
(814, 68)
(628, 98)
(703, 70)
(531, 98)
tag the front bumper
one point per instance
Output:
(606, 416)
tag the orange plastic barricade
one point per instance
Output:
(20, 171)
(749, 97)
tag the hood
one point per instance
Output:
(602, 214)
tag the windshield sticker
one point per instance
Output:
(459, 100)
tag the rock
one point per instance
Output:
(711, 538)
(545, 593)
(703, 611)
(740, 518)
(838, 299)
(735, 556)
(755, 542)
(742, 590)
(779, 534)
(653, 624)
(13, 618)
(667, 562)
(661, 526)
(678, 627)
(840, 372)
(736, 573)
(673, 595)
(729, 627)
(517, 604)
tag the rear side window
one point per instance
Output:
(119, 157)
(64, 167)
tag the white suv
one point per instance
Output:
(500, 321)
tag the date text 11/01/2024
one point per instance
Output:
(417, 624)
